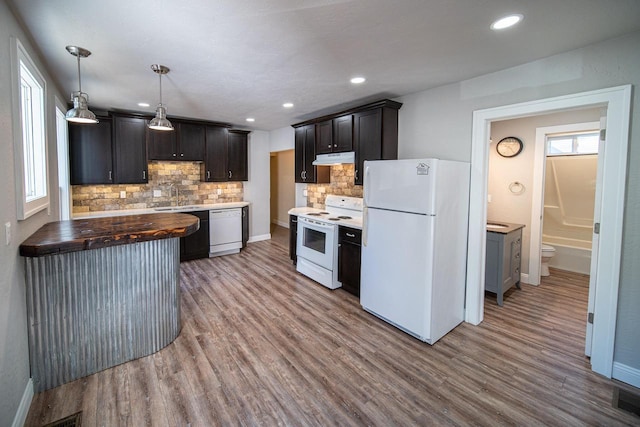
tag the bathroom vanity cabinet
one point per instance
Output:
(503, 261)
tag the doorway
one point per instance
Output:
(283, 190)
(617, 102)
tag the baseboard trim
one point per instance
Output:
(284, 224)
(25, 403)
(626, 374)
(259, 237)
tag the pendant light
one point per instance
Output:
(80, 112)
(160, 121)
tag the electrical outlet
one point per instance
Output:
(7, 232)
(219, 191)
(489, 198)
(304, 193)
(123, 194)
(157, 193)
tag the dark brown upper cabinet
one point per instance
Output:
(225, 155)
(305, 154)
(371, 131)
(130, 149)
(185, 143)
(237, 155)
(343, 133)
(335, 136)
(91, 153)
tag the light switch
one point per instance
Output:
(157, 193)
(123, 194)
(219, 191)
(7, 232)
(489, 198)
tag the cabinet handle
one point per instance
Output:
(181, 154)
(174, 154)
(244, 213)
(144, 174)
(110, 178)
(295, 221)
(329, 146)
(350, 235)
(230, 174)
(356, 174)
(335, 145)
(208, 174)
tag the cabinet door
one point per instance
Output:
(161, 144)
(191, 140)
(196, 245)
(293, 237)
(245, 226)
(343, 134)
(367, 137)
(215, 162)
(349, 254)
(237, 156)
(309, 153)
(324, 137)
(130, 149)
(90, 153)
(299, 154)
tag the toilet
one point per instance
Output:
(548, 252)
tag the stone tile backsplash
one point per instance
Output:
(165, 178)
(341, 177)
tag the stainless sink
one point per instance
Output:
(496, 225)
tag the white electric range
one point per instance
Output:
(317, 244)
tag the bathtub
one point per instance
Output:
(571, 254)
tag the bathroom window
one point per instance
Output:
(573, 144)
(30, 148)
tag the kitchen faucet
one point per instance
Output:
(173, 186)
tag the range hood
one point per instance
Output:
(334, 158)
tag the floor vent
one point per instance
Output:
(626, 399)
(74, 420)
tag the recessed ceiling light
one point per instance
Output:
(251, 119)
(358, 80)
(288, 105)
(506, 22)
(143, 104)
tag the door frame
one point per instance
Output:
(617, 101)
(62, 149)
(539, 177)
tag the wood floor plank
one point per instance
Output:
(263, 345)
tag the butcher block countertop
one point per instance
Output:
(84, 234)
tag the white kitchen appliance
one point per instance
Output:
(414, 244)
(317, 244)
(225, 231)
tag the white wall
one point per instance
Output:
(281, 139)
(14, 352)
(257, 189)
(516, 208)
(437, 123)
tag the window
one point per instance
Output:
(30, 145)
(573, 144)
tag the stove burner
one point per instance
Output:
(334, 219)
(344, 217)
(323, 213)
(313, 214)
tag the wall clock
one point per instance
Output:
(509, 146)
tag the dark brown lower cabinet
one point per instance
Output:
(293, 236)
(349, 251)
(196, 245)
(245, 226)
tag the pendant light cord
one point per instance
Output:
(160, 75)
(79, 79)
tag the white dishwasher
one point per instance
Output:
(225, 231)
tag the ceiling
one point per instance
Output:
(233, 59)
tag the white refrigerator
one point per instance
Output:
(414, 244)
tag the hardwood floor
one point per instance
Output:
(264, 345)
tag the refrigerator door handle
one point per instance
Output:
(365, 224)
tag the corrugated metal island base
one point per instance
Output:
(101, 292)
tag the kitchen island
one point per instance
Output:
(101, 292)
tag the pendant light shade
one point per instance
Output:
(160, 121)
(80, 112)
